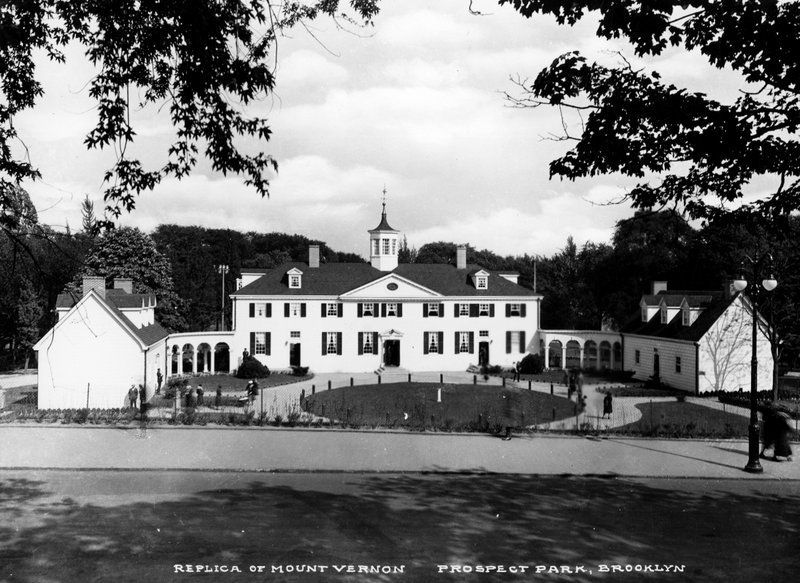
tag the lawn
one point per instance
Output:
(232, 387)
(676, 419)
(415, 406)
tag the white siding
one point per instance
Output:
(88, 347)
(409, 328)
(668, 351)
(726, 353)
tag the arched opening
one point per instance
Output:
(590, 355)
(222, 357)
(554, 360)
(187, 357)
(573, 354)
(617, 356)
(605, 355)
(174, 360)
(203, 357)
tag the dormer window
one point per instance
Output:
(686, 317)
(295, 278)
(481, 280)
(664, 315)
(644, 313)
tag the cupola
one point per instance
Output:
(384, 243)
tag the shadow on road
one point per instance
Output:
(721, 534)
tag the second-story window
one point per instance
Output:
(333, 309)
(463, 309)
(433, 310)
(483, 309)
(391, 309)
(368, 309)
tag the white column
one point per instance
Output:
(564, 356)
(547, 356)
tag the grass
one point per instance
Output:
(675, 419)
(415, 406)
(640, 391)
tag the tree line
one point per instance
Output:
(592, 286)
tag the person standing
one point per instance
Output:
(783, 433)
(508, 414)
(159, 380)
(517, 370)
(142, 401)
(200, 393)
(608, 405)
(132, 395)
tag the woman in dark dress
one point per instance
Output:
(608, 405)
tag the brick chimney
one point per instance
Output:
(461, 257)
(96, 283)
(659, 286)
(313, 256)
(124, 283)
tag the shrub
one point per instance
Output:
(251, 368)
(175, 385)
(299, 371)
(532, 364)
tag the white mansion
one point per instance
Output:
(363, 316)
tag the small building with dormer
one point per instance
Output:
(696, 341)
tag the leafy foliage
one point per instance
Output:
(203, 61)
(251, 368)
(702, 151)
(128, 252)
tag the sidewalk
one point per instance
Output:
(304, 450)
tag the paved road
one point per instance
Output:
(158, 526)
(272, 449)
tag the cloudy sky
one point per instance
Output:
(414, 103)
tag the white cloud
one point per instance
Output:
(304, 67)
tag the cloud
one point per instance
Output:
(507, 231)
(302, 68)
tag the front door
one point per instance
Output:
(294, 354)
(656, 367)
(391, 353)
(483, 354)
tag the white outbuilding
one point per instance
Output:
(104, 342)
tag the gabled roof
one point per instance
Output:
(714, 304)
(147, 335)
(334, 279)
(116, 297)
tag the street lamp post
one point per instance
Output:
(768, 284)
(222, 269)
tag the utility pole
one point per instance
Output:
(223, 269)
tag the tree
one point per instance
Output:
(29, 315)
(702, 152)
(406, 254)
(203, 61)
(89, 221)
(128, 252)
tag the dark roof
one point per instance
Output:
(674, 299)
(713, 304)
(115, 300)
(115, 297)
(384, 224)
(338, 278)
